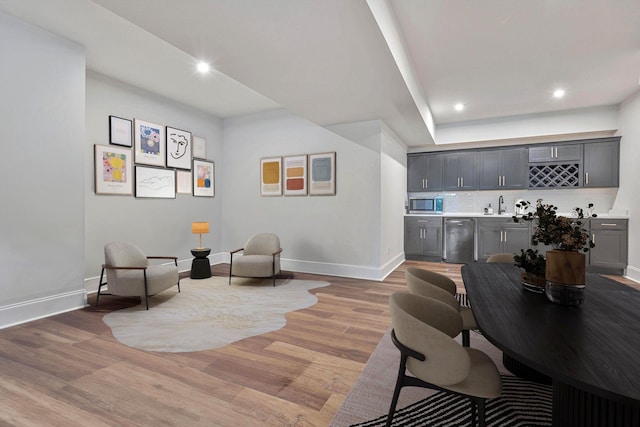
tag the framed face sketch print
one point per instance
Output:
(178, 148)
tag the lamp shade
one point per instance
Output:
(199, 227)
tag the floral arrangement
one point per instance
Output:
(531, 261)
(560, 232)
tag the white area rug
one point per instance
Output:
(210, 314)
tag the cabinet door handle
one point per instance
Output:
(462, 181)
(586, 177)
(505, 237)
(552, 152)
(608, 224)
(426, 183)
(593, 238)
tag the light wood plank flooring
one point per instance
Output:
(68, 370)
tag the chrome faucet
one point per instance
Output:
(501, 208)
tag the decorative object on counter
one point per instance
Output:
(565, 264)
(489, 210)
(533, 263)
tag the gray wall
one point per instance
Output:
(157, 226)
(42, 117)
(627, 200)
(332, 234)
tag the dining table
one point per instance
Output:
(589, 353)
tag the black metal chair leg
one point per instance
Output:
(473, 412)
(396, 392)
(481, 412)
(466, 338)
(146, 291)
(99, 286)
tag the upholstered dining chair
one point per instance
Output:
(129, 272)
(505, 258)
(423, 331)
(435, 285)
(260, 258)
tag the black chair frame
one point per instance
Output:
(144, 273)
(404, 380)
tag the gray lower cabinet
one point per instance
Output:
(503, 169)
(611, 239)
(601, 164)
(423, 238)
(496, 235)
(424, 172)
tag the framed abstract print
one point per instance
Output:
(113, 174)
(203, 178)
(271, 176)
(178, 148)
(120, 131)
(295, 175)
(199, 147)
(149, 143)
(322, 174)
(183, 179)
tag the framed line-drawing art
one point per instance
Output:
(155, 183)
(120, 131)
(203, 178)
(178, 148)
(322, 174)
(271, 176)
(149, 145)
(113, 170)
(295, 175)
(183, 179)
(199, 147)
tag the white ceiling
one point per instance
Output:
(339, 61)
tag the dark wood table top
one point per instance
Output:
(594, 347)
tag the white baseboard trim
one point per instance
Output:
(27, 311)
(633, 273)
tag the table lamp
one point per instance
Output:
(200, 228)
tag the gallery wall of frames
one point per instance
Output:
(149, 160)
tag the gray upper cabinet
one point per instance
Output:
(503, 169)
(601, 164)
(555, 153)
(459, 171)
(424, 172)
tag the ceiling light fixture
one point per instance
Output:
(203, 67)
(558, 93)
(459, 106)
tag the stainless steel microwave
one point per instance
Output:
(425, 205)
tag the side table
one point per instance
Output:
(200, 267)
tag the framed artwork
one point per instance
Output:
(271, 176)
(149, 143)
(120, 131)
(178, 148)
(155, 183)
(199, 147)
(295, 175)
(113, 170)
(203, 178)
(322, 174)
(184, 182)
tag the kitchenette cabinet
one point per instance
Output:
(424, 172)
(555, 153)
(611, 239)
(502, 169)
(498, 235)
(423, 238)
(601, 164)
(459, 171)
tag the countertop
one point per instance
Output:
(505, 215)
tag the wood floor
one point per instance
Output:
(68, 370)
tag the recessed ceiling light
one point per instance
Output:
(203, 67)
(459, 106)
(558, 93)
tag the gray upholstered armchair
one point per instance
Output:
(130, 274)
(260, 258)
